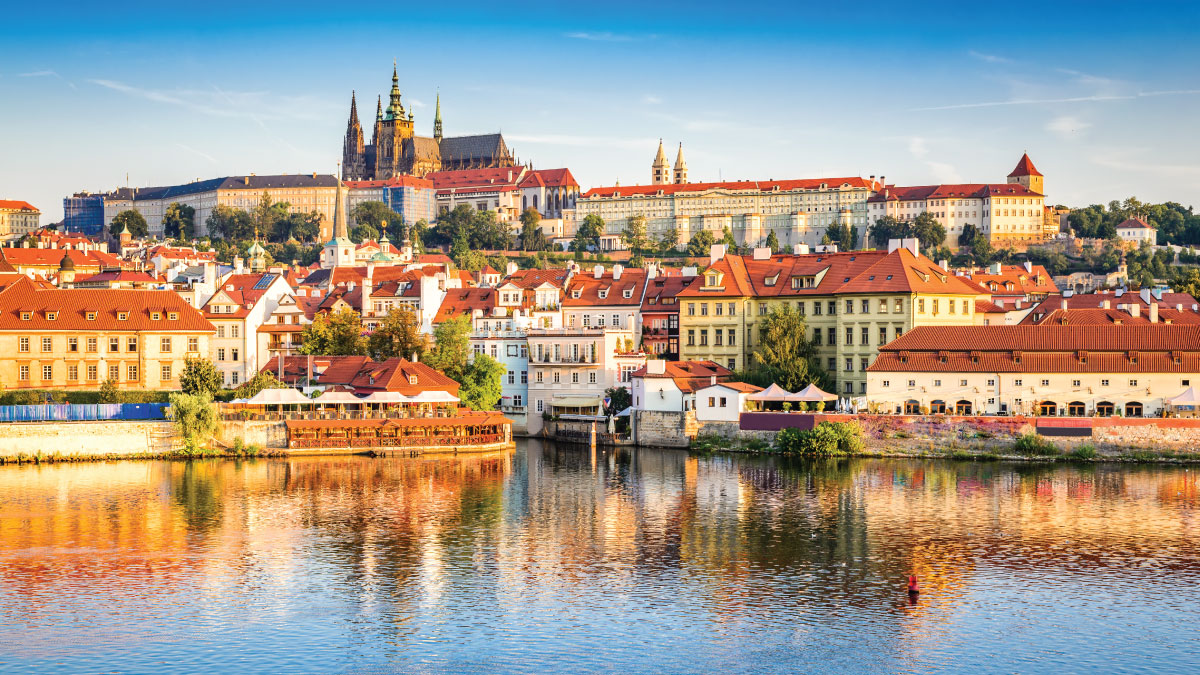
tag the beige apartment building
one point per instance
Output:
(17, 219)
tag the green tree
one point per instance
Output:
(784, 350)
(884, 230)
(451, 347)
(419, 234)
(200, 376)
(230, 223)
(532, 237)
(179, 221)
(619, 399)
(377, 215)
(109, 392)
(842, 235)
(701, 244)
(399, 334)
(927, 230)
(587, 235)
(481, 383)
(728, 240)
(669, 241)
(267, 214)
(195, 417)
(133, 220)
(261, 380)
(362, 233)
(634, 235)
(334, 334)
(772, 242)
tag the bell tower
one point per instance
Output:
(660, 170)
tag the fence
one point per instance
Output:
(65, 412)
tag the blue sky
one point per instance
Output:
(1103, 96)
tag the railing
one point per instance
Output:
(65, 412)
(564, 359)
(274, 416)
(394, 441)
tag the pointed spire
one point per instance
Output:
(437, 118)
(379, 109)
(660, 170)
(679, 162)
(353, 109)
(395, 108)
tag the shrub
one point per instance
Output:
(1084, 451)
(827, 439)
(109, 392)
(757, 445)
(1033, 445)
(195, 417)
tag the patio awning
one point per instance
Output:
(279, 397)
(337, 398)
(1187, 398)
(434, 396)
(812, 393)
(771, 393)
(575, 401)
(387, 397)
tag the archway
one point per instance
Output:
(1105, 409)
(938, 407)
(1133, 409)
(1048, 409)
(912, 407)
(1076, 409)
(963, 407)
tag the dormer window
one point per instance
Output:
(603, 293)
(576, 293)
(628, 292)
(26, 316)
(173, 316)
(412, 379)
(122, 316)
(91, 316)
(771, 280)
(156, 315)
(51, 316)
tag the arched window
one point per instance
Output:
(1048, 408)
(1133, 409)
(535, 201)
(1105, 408)
(1076, 409)
(912, 407)
(963, 407)
(938, 407)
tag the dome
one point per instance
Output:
(66, 263)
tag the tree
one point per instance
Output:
(302, 227)
(587, 235)
(230, 223)
(728, 240)
(634, 234)
(884, 230)
(481, 384)
(261, 380)
(334, 334)
(200, 376)
(619, 399)
(131, 219)
(842, 235)
(109, 392)
(969, 232)
(772, 242)
(451, 347)
(266, 214)
(377, 215)
(701, 244)
(399, 334)
(179, 221)
(194, 415)
(669, 241)
(927, 230)
(362, 233)
(532, 237)
(784, 350)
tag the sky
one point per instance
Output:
(1103, 96)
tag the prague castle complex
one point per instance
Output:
(396, 150)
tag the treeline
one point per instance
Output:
(1176, 223)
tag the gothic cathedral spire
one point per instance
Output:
(353, 148)
(660, 171)
(680, 167)
(395, 107)
(437, 118)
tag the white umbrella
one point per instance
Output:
(337, 398)
(434, 396)
(812, 393)
(387, 397)
(771, 393)
(279, 397)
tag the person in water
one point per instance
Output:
(913, 587)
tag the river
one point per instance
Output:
(559, 559)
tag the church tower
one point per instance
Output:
(1027, 174)
(437, 119)
(395, 129)
(338, 251)
(660, 170)
(353, 150)
(680, 167)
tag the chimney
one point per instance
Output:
(999, 302)
(415, 357)
(617, 269)
(1154, 312)
(1135, 310)
(1179, 307)
(656, 367)
(1028, 267)
(1017, 304)
(1064, 304)
(598, 271)
(716, 253)
(761, 253)
(511, 268)
(994, 268)
(246, 180)
(368, 286)
(944, 264)
(893, 244)
(1145, 295)
(237, 265)
(1105, 304)
(712, 379)
(882, 179)
(210, 274)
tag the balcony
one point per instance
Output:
(564, 360)
(655, 332)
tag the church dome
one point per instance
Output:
(66, 263)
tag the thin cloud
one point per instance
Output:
(581, 141)
(39, 73)
(256, 106)
(650, 99)
(417, 103)
(1069, 99)
(605, 36)
(988, 58)
(192, 150)
(1067, 126)
(918, 147)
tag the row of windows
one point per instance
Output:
(234, 331)
(1019, 382)
(555, 377)
(92, 372)
(91, 345)
(720, 338)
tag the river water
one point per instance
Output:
(559, 559)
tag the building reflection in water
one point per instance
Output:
(552, 541)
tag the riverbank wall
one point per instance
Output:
(107, 438)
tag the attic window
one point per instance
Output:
(871, 278)
(1083, 357)
(1016, 357)
(412, 379)
(628, 292)
(51, 316)
(889, 277)
(1133, 357)
(122, 316)
(174, 316)
(576, 293)
(943, 356)
(156, 315)
(771, 280)
(974, 357)
(603, 293)
(26, 316)
(91, 316)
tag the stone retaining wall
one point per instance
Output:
(266, 434)
(86, 439)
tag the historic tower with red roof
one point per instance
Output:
(1027, 174)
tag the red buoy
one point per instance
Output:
(913, 587)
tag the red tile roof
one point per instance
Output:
(1108, 317)
(688, 375)
(589, 289)
(16, 205)
(327, 370)
(395, 181)
(1025, 167)
(73, 305)
(661, 292)
(952, 191)
(47, 257)
(394, 375)
(549, 178)
(749, 185)
(530, 279)
(460, 301)
(1035, 281)
(1135, 223)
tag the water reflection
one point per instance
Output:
(560, 558)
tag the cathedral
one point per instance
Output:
(396, 151)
